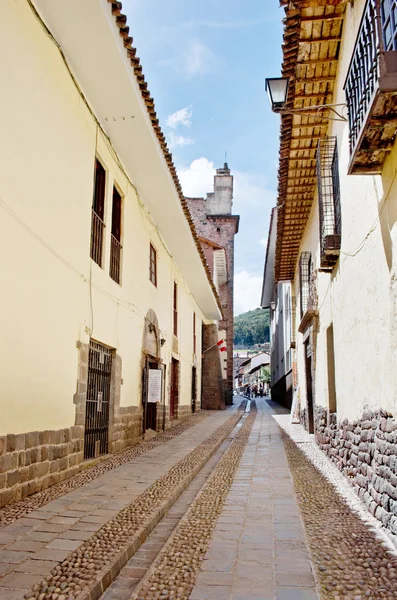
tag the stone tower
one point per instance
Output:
(216, 227)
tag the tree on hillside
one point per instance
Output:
(251, 328)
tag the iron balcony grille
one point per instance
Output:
(96, 430)
(329, 201)
(371, 86)
(115, 259)
(97, 229)
(305, 272)
(363, 73)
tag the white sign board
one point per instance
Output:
(154, 388)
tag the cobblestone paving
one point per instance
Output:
(351, 563)
(48, 547)
(173, 573)
(137, 567)
(20, 509)
(258, 550)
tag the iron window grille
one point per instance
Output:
(329, 200)
(153, 265)
(96, 430)
(115, 238)
(305, 274)
(97, 214)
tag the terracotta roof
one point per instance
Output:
(312, 34)
(211, 243)
(121, 22)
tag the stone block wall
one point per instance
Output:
(31, 462)
(366, 452)
(126, 429)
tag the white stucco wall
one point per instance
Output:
(359, 297)
(53, 295)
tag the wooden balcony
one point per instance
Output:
(329, 202)
(371, 89)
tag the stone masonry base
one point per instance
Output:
(32, 462)
(366, 452)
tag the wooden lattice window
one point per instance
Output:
(153, 265)
(98, 213)
(305, 273)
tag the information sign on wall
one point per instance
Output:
(155, 384)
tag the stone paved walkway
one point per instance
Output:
(259, 550)
(34, 545)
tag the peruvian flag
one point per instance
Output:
(221, 345)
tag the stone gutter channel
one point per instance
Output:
(173, 572)
(88, 571)
(92, 470)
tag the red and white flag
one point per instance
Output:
(221, 345)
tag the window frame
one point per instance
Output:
(115, 238)
(194, 334)
(98, 213)
(175, 310)
(153, 264)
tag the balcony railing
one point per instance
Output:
(329, 201)
(370, 89)
(115, 259)
(97, 228)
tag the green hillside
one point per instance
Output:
(251, 328)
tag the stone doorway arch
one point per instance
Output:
(152, 412)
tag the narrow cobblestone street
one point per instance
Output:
(230, 508)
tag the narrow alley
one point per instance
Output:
(226, 507)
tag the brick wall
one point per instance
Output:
(212, 392)
(221, 230)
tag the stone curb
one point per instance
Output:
(109, 574)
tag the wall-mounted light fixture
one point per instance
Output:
(277, 89)
(162, 341)
(273, 305)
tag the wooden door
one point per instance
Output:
(309, 387)
(174, 389)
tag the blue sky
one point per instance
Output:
(205, 62)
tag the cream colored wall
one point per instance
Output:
(53, 295)
(359, 298)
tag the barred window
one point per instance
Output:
(153, 265)
(305, 273)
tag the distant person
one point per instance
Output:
(248, 391)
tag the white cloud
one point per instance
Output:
(198, 178)
(178, 140)
(263, 242)
(198, 59)
(180, 117)
(247, 292)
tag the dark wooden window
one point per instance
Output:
(115, 238)
(175, 309)
(98, 213)
(194, 333)
(389, 23)
(305, 274)
(153, 265)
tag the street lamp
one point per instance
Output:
(277, 89)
